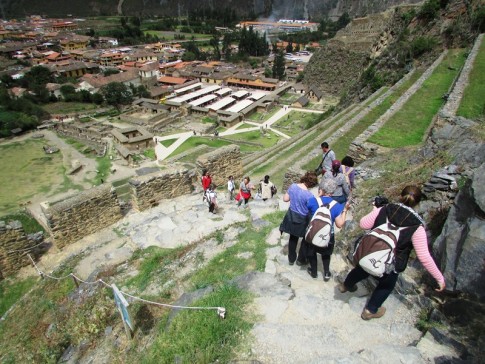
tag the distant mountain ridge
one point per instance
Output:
(288, 9)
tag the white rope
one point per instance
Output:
(221, 311)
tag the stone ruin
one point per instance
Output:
(15, 244)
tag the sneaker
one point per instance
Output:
(309, 271)
(342, 288)
(291, 263)
(327, 276)
(367, 315)
(298, 263)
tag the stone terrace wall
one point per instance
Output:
(222, 163)
(291, 176)
(149, 189)
(14, 244)
(86, 213)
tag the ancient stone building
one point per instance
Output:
(222, 163)
(14, 246)
(87, 212)
(148, 190)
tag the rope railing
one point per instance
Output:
(221, 311)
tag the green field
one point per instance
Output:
(61, 107)
(26, 172)
(472, 105)
(409, 124)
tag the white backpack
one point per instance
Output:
(375, 251)
(319, 230)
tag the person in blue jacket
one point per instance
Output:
(338, 214)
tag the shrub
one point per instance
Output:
(422, 45)
(429, 10)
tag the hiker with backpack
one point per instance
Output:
(325, 212)
(384, 251)
(296, 218)
(268, 189)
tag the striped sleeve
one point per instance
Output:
(367, 222)
(420, 243)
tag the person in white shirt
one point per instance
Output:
(230, 188)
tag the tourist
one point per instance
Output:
(296, 219)
(244, 192)
(342, 191)
(231, 187)
(206, 181)
(328, 157)
(338, 213)
(348, 170)
(212, 198)
(414, 236)
(267, 188)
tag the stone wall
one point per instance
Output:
(148, 190)
(83, 214)
(291, 176)
(222, 163)
(14, 245)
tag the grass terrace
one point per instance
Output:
(295, 122)
(341, 145)
(408, 126)
(472, 104)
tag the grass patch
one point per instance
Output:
(40, 329)
(244, 126)
(29, 224)
(196, 141)
(168, 142)
(472, 104)
(262, 117)
(199, 336)
(409, 124)
(150, 153)
(151, 263)
(62, 107)
(230, 263)
(26, 172)
(295, 122)
(208, 120)
(10, 292)
(265, 140)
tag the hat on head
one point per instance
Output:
(336, 164)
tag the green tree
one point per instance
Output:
(214, 42)
(68, 93)
(117, 94)
(289, 48)
(279, 66)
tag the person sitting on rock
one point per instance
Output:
(414, 236)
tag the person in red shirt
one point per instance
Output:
(206, 180)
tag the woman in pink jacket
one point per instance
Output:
(413, 236)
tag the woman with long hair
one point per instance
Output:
(342, 191)
(413, 235)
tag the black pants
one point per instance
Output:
(292, 244)
(312, 251)
(381, 292)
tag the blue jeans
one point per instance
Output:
(340, 199)
(381, 292)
